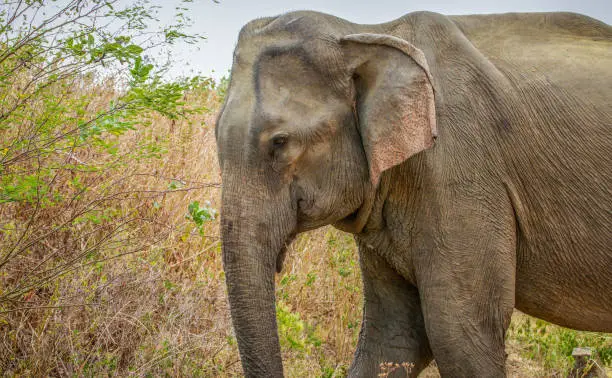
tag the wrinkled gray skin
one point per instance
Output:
(329, 122)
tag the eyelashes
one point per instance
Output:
(277, 145)
(279, 141)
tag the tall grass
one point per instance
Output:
(140, 292)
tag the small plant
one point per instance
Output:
(200, 214)
(291, 328)
(295, 334)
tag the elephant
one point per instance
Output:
(468, 155)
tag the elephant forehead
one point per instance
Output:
(289, 79)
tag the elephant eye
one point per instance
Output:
(277, 145)
(278, 141)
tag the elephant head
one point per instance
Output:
(317, 109)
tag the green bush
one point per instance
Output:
(74, 78)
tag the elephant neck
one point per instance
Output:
(369, 215)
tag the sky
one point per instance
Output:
(221, 22)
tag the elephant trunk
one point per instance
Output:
(252, 238)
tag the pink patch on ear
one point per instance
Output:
(414, 130)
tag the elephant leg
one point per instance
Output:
(393, 329)
(467, 284)
(467, 336)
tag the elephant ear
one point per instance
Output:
(394, 99)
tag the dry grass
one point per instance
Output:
(161, 309)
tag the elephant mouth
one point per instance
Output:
(283, 253)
